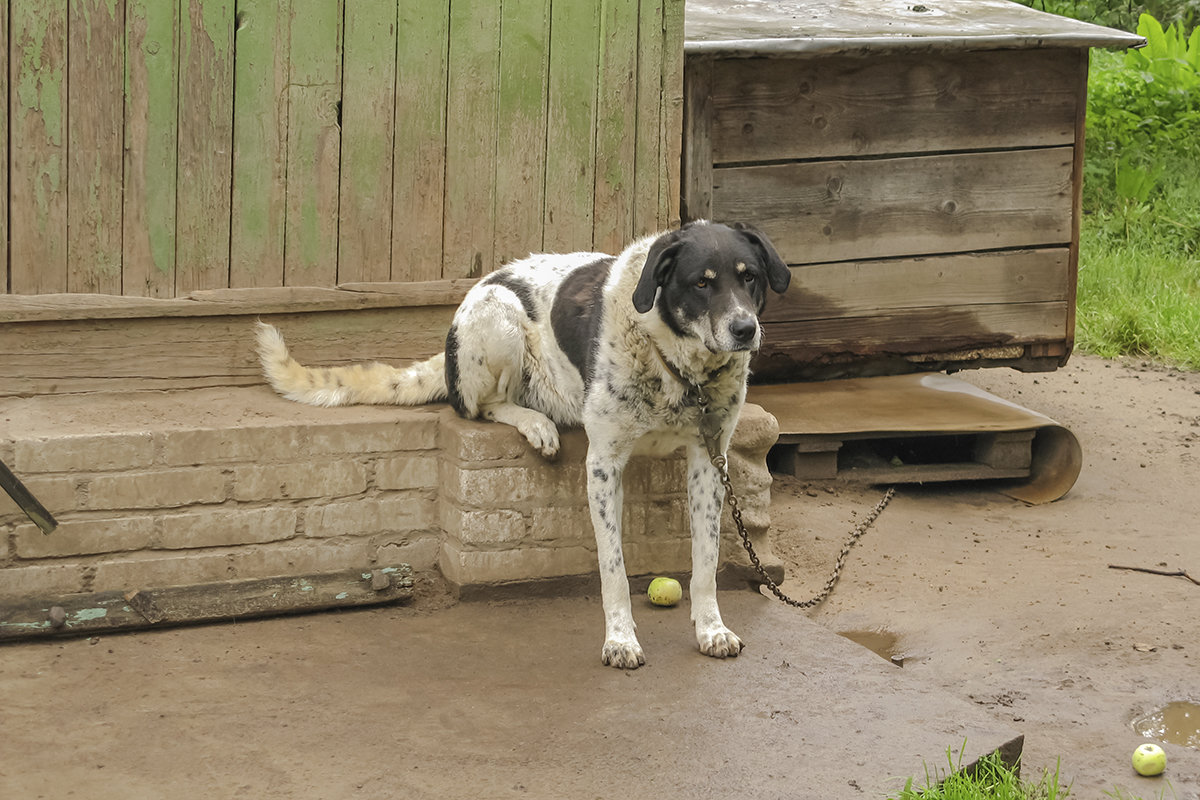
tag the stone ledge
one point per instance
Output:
(157, 489)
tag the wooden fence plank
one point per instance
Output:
(259, 143)
(368, 119)
(4, 134)
(151, 126)
(38, 142)
(616, 126)
(647, 155)
(422, 66)
(205, 144)
(670, 171)
(839, 210)
(571, 138)
(95, 92)
(771, 109)
(469, 225)
(314, 143)
(521, 129)
(869, 288)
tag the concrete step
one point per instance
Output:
(155, 489)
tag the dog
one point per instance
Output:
(648, 351)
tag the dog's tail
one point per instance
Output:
(367, 384)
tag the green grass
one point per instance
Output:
(992, 779)
(1139, 264)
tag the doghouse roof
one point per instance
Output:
(782, 27)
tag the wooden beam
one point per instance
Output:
(102, 612)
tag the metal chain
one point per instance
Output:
(721, 463)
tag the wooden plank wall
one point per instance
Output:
(927, 203)
(159, 148)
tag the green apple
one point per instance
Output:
(664, 591)
(1149, 759)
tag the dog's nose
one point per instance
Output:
(743, 329)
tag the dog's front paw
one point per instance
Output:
(623, 654)
(543, 435)
(720, 643)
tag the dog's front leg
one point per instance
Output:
(705, 496)
(606, 461)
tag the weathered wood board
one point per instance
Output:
(102, 612)
(772, 109)
(840, 210)
(164, 352)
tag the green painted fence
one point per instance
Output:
(157, 147)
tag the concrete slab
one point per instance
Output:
(474, 700)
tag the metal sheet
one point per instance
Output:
(783, 27)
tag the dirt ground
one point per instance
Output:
(1009, 610)
(1015, 607)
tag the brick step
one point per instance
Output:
(157, 489)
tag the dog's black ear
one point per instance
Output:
(654, 271)
(778, 275)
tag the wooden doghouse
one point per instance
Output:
(918, 165)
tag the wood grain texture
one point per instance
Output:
(151, 128)
(368, 99)
(97, 612)
(616, 126)
(190, 352)
(37, 112)
(840, 210)
(921, 330)
(314, 143)
(671, 130)
(697, 187)
(95, 95)
(830, 107)
(859, 289)
(203, 202)
(469, 225)
(571, 138)
(520, 203)
(4, 135)
(422, 69)
(259, 180)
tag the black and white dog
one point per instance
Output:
(648, 351)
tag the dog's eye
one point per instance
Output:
(749, 277)
(702, 283)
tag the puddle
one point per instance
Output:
(884, 644)
(1177, 723)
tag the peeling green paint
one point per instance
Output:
(88, 614)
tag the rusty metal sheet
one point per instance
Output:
(785, 27)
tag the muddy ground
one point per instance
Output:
(1012, 611)
(1014, 607)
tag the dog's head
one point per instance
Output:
(710, 281)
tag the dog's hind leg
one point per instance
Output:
(605, 466)
(705, 496)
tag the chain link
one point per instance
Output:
(722, 464)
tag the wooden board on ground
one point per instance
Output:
(101, 612)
